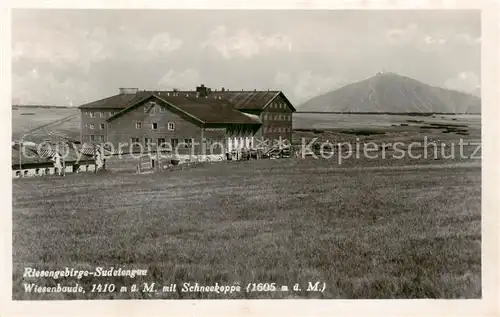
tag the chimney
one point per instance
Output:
(128, 90)
(222, 89)
(203, 91)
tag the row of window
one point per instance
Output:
(154, 126)
(46, 171)
(101, 114)
(153, 109)
(91, 126)
(279, 117)
(187, 143)
(278, 105)
(274, 129)
(95, 114)
(93, 138)
(149, 141)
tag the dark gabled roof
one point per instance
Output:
(28, 157)
(203, 110)
(210, 109)
(247, 99)
(114, 102)
(43, 155)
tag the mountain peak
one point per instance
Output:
(391, 92)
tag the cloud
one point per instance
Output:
(184, 80)
(245, 43)
(160, 44)
(414, 36)
(80, 48)
(305, 84)
(101, 50)
(61, 46)
(466, 81)
(35, 87)
(402, 36)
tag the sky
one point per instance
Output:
(71, 57)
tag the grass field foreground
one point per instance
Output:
(412, 233)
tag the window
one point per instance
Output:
(18, 173)
(100, 138)
(187, 143)
(152, 111)
(101, 114)
(112, 113)
(47, 171)
(92, 114)
(135, 140)
(161, 141)
(86, 125)
(25, 173)
(154, 126)
(91, 126)
(92, 138)
(138, 125)
(174, 142)
(101, 126)
(86, 112)
(171, 126)
(148, 141)
(37, 171)
(279, 129)
(162, 109)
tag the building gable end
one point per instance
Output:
(282, 95)
(170, 107)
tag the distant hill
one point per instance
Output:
(39, 106)
(392, 93)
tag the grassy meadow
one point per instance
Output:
(367, 228)
(367, 233)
